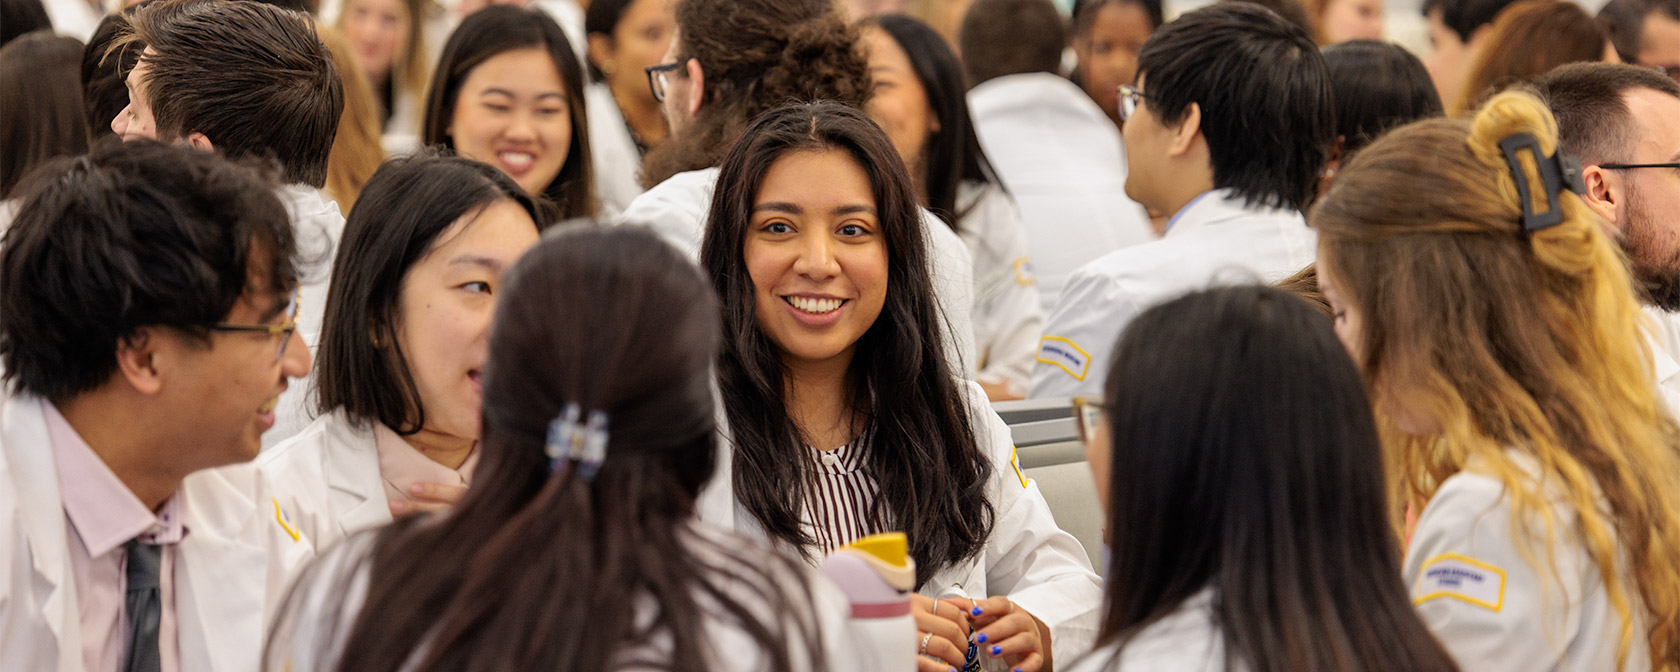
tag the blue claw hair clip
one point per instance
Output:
(569, 439)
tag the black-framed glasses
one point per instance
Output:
(1631, 166)
(284, 330)
(659, 78)
(1087, 416)
(1130, 96)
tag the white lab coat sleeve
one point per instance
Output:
(1474, 590)
(1079, 336)
(1030, 560)
(1008, 319)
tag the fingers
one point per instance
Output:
(1032, 662)
(925, 664)
(943, 642)
(441, 493)
(988, 611)
(956, 612)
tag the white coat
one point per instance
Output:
(308, 641)
(618, 164)
(1187, 640)
(677, 209)
(75, 18)
(232, 568)
(318, 226)
(1492, 609)
(1007, 316)
(1027, 559)
(1216, 238)
(1665, 348)
(1061, 160)
(327, 477)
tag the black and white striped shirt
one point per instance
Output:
(838, 503)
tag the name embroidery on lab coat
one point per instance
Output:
(1063, 353)
(280, 517)
(1025, 276)
(1453, 575)
(1015, 461)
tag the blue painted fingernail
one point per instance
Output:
(976, 611)
(980, 638)
(997, 650)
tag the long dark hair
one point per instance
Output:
(1246, 460)
(924, 454)
(405, 207)
(953, 154)
(1377, 86)
(492, 31)
(42, 104)
(756, 55)
(540, 568)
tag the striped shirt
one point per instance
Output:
(838, 502)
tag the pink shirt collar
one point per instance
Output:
(401, 466)
(104, 511)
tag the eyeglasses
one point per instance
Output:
(1630, 166)
(659, 78)
(1130, 96)
(284, 330)
(1087, 416)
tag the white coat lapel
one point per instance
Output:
(352, 469)
(222, 578)
(35, 476)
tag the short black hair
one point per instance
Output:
(132, 235)
(401, 213)
(1264, 94)
(1377, 86)
(1594, 123)
(21, 17)
(1011, 37)
(1084, 13)
(1465, 16)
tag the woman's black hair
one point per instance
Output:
(602, 18)
(1084, 14)
(953, 154)
(492, 31)
(541, 567)
(40, 104)
(923, 452)
(1377, 86)
(402, 212)
(1245, 460)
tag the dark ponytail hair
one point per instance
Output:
(756, 55)
(953, 154)
(1245, 460)
(543, 569)
(924, 453)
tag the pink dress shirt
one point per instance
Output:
(103, 514)
(401, 466)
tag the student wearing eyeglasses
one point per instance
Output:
(150, 326)
(1235, 165)
(1618, 121)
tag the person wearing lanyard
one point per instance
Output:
(150, 303)
(1236, 195)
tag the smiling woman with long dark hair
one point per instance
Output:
(844, 416)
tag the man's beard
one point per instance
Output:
(1660, 278)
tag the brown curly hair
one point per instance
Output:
(757, 55)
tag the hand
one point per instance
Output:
(428, 497)
(1010, 633)
(948, 624)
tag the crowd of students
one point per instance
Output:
(578, 335)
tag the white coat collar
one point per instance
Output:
(25, 453)
(352, 470)
(217, 600)
(1034, 91)
(1219, 206)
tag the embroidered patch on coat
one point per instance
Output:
(1462, 578)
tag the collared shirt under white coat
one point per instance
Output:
(318, 226)
(1214, 239)
(1494, 611)
(233, 569)
(1007, 316)
(618, 164)
(677, 209)
(1028, 558)
(1186, 640)
(327, 477)
(1062, 161)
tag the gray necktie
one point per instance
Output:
(145, 607)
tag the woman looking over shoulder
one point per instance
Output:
(1498, 330)
(844, 416)
(578, 549)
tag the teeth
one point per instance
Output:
(270, 405)
(517, 159)
(816, 306)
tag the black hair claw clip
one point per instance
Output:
(1557, 172)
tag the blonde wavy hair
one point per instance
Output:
(1515, 342)
(356, 152)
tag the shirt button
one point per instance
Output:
(829, 459)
